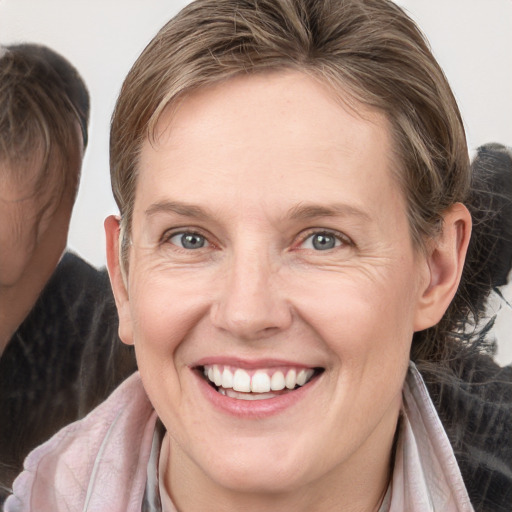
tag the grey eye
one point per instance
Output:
(189, 240)
(321, 242)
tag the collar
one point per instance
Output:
(426, 476)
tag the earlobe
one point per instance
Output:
(119, 287)
(445, 260)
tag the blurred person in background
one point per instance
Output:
(59, 351)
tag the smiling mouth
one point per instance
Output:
(260, 384)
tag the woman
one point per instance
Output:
(291, 177)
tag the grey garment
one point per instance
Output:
(151, 501)
(386, 502)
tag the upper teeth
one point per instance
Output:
(261, 381)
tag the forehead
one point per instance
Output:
(279, 138)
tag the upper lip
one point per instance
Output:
(247, 364)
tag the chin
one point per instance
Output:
(259, 479)
(261, 467)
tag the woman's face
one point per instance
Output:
(271, 250)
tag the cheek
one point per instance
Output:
(17, 245)
(362, 319)
(164, 310)
(164, 314)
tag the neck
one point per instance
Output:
(16, 301)
(14, 307)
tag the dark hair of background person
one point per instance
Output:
(41, 95)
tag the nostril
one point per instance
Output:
(247, 323)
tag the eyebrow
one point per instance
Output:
(183, 209)
(307, 211)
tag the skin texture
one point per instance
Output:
(32, 240)
(256, 167)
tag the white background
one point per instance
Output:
(472, 39)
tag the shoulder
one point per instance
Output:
(81, 464)
(76, 280)
(473, 397)
(74, 295)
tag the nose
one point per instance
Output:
(251, 303)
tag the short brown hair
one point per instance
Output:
(42, 96)
(369, 49)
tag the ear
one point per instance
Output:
(119, 287)
(445, 260)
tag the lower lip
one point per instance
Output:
(254, 408)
